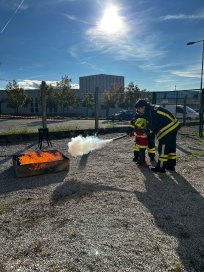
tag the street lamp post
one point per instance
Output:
(201, 92)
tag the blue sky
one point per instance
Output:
(142, 40)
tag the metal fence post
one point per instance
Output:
(154, 98)
(184, 110)
(176, 102)
(96, 110)
(44, 104)
(202, 97)
(201, 111)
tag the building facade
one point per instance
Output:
(104, 83)
(86, 83)
(89, 83)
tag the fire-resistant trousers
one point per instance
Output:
(139, 154)
(151, 145)
(167, 150)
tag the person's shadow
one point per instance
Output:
(178, 210)
(10, 183)
(72, 188)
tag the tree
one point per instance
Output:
(109, 99)
(131, 95)
(88, 101)
(121, 98)
(16, 97)
(66, 97)
(145, 94)
(51, 98)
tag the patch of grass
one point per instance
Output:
(177, 267)
(5, 207)
(200, 142)
(18, 131)
(54, 267)
(62, 128)
(110, 126)
(199, 152)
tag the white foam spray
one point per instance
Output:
(83, 145)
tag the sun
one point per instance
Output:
(111, 23)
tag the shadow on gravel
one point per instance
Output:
(83, 161)
(10, 183)
(178, 210)
(183, 150)
(76, 189)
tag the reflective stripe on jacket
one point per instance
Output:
(160, 121)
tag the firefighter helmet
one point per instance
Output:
(141, 103)
(141, 123)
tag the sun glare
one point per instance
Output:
(111, 23)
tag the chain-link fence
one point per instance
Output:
(186, 105)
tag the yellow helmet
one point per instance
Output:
(141, 123)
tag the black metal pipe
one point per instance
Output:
(120, 137)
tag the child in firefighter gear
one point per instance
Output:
(141, 140)
(165, 126)
(151, 139)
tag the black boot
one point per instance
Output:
(141, 163)
(135, 159)
(158, 169)
(152, 158)
(170, 167)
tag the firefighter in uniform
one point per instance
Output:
(150, 136)
(165, 126)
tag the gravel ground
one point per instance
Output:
(107, 214)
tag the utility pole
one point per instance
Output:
(96, 110)
(44, 104)
(201, 110)
(184, 110)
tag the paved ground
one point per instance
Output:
(34, 124)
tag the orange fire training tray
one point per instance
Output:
(40, 162)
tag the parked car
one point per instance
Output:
(122, 115)
(178, 111)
